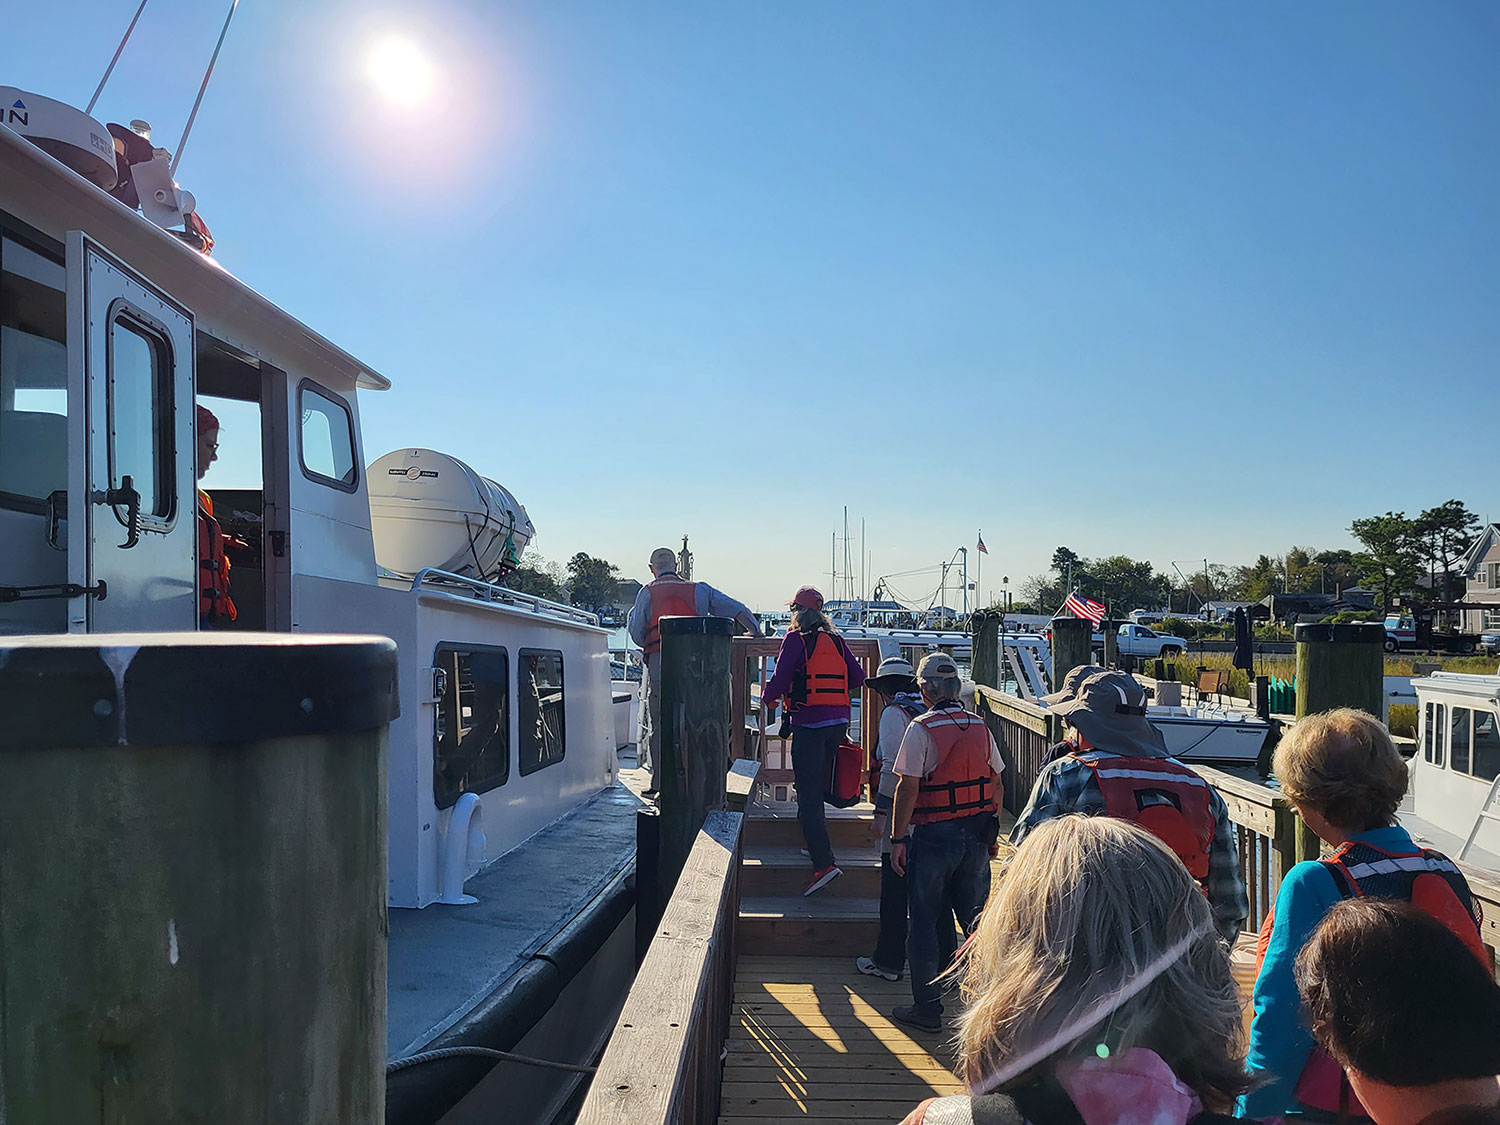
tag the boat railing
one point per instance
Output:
(443, 581)
(1269, 835)
(664, 1061)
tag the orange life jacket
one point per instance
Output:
(1428, 880)
(670, 597)
(823, 679)
(1164, 797)
(963, 783)
(214, 602)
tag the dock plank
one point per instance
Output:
(811, 1039)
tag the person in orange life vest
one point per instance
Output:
(946, 822)
(667, 595)
(1073, 741)
(1346, 779)
(815, 672)
(1395, 997)
(1109, 712)
(896, 684)
(214, 602)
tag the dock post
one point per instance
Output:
(1072, 646)
(695, 718)
(1111, 647)
(648, 896)
(1339, 666)
(985, 663)
(193, 852)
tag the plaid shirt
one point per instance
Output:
(1069, 786)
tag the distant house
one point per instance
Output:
(626, 591)
(1290, 608)
(1480, 567)
(1223, 610)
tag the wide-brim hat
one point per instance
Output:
(894, 676)
(1070, 684)
(1109, 709)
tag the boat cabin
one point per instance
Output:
(1457, 761)
(112, 332)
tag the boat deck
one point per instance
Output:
(811, 1039)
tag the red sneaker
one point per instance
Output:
(822, 878)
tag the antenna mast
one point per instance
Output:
(207, 74)
(110, 69)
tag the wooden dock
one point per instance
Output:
(810, 1037)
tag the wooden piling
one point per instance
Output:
(985, 662)
(1072, 646)
(1111, 646)
(695, 739)
(192, 851)
(1339, 666)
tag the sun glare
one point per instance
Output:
(400, 70)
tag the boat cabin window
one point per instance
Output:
(471, 739)
(33, 376)
(139, 397)
(539, 689)
(1476, 743)
(327, 437)
(1434, 729)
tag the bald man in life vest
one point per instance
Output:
(215, 607)
(668, 595)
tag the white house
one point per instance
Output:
(1480, 567)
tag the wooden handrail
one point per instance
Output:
(663, 1062)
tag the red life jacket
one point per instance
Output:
(1428, 880)
(1164, 797)
(823, 679)
(963, 783)
(670, 597)
(214, 602)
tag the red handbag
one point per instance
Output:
(847, 775)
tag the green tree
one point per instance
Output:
(1390, 561)
(592, 583)
(1337, 570)
(539, 577)
(1446, 533)
(1265, 576)
(1040, 590)
(1124, 584)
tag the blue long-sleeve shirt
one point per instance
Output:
(1279, 1038)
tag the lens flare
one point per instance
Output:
(400, 70)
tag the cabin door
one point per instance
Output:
(132, 507)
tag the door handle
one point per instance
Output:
(57, 511)
(126, 494)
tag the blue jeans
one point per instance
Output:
(946, 863)
(812, 756)
(890, 946)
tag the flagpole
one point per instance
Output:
(979, 575)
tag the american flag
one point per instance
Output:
(983, 550)
(1084, 607)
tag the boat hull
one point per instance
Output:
(1211, 738)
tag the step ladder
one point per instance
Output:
(1486, 812)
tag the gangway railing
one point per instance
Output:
(664, 1061)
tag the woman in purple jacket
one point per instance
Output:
(816, 673)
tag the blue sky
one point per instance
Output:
(1174, 280)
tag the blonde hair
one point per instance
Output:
(807, 620)
(1343, 765)
(1098, 935)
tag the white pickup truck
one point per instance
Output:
(1137, 640)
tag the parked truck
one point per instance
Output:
(1138, 640)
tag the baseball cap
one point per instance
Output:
(664, 560)
(807, 597)
(936, 666)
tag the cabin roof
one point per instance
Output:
(54, 199)
(1467, 685)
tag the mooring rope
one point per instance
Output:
(483, 1053)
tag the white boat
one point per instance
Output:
(1204, 731)
(1455, 773)
(510, 837)
(1209, 733)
